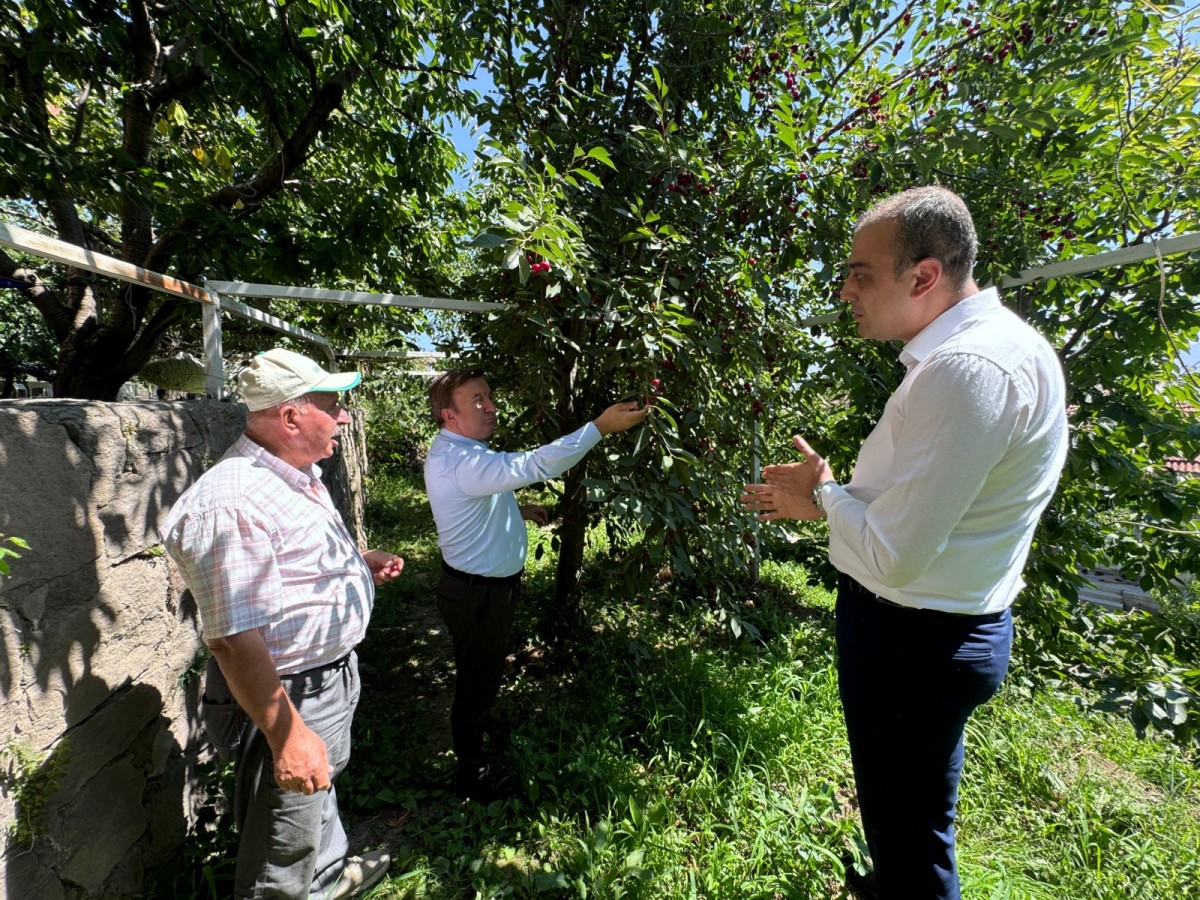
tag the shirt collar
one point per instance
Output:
(462, 438)
(947, 324)
(302, 478)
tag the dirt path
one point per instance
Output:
(408, 684)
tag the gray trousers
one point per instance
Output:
(292, 846)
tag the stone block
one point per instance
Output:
(28, 877)
(94, 744)
(101, 824)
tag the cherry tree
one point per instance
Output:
(669, 195)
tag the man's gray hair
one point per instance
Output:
(931, 222)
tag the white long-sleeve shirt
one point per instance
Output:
(470, 488)
(947, 491)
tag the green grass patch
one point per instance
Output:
(661, 755)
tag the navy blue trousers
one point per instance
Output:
(908, 680)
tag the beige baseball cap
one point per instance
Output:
(278, 375)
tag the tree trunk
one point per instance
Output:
(571, 536)
(86, 382)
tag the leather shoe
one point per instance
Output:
(480, 784)
(360, 874)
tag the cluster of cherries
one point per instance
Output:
(539, 268)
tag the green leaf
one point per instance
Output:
(486, 240)
(602, 155)
(590, 176)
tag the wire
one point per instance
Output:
(14, 285)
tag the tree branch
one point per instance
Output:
(80, 110)
(270, 179)
(166, 317)
(304, 59)
(46, 301)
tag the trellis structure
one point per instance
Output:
(214, 299)
(1124, 256)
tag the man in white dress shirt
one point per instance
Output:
(482, 537)
(932, 531)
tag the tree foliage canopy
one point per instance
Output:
(272, 142)
(691, 172)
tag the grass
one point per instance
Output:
(660, 756)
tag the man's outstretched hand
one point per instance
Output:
(786, 491)
(621, 417)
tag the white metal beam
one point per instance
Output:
(281, 292)
(214, 364)
(257, 315)
(72, 255)
(1184, 243)
(351, 353)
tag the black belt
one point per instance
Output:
(853, 586)
(468, 578)
(318, 671)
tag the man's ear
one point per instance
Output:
(289, 417)
(927, 276)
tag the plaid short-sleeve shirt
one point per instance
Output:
(261, 546)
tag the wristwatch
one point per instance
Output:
(816, 494)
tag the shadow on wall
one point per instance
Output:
(97, 641)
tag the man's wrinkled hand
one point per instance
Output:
(302, 763)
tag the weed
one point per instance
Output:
(204, 866)
(196, 667)
(7, 553)
(30, 778)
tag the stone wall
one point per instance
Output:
(99, 649)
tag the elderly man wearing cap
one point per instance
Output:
(284, 595)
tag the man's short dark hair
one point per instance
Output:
(441, 390)
(931, 222)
